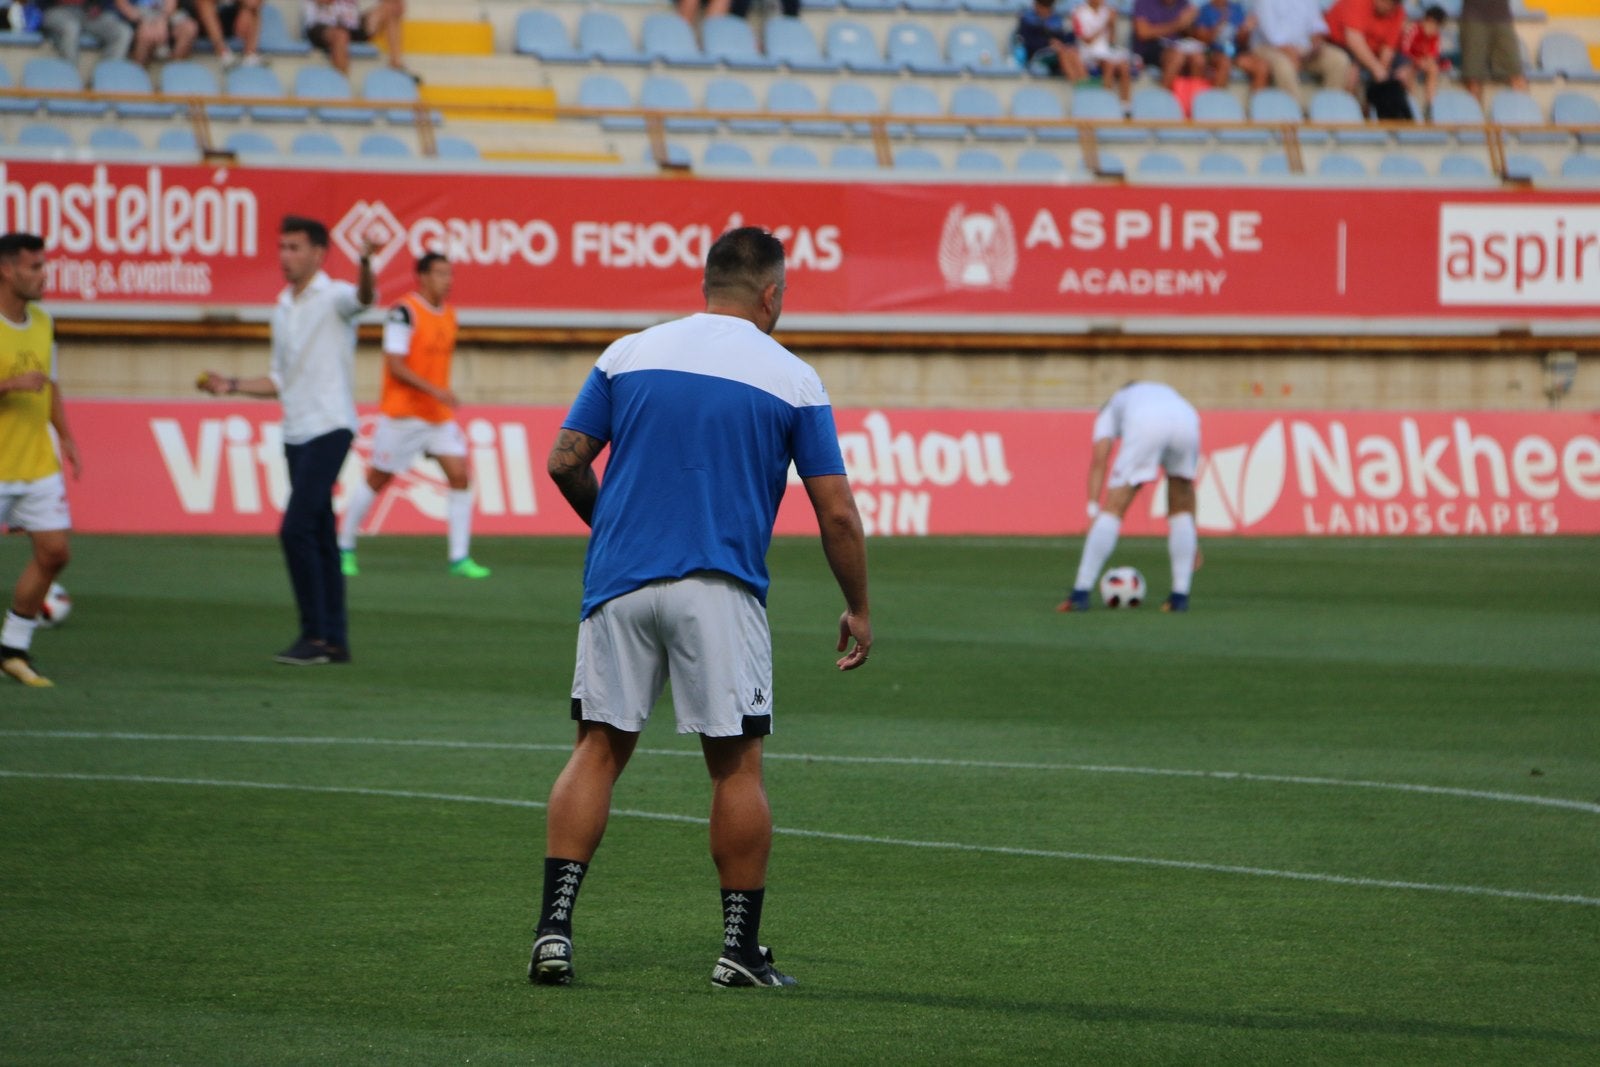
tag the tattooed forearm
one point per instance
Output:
(571, 466)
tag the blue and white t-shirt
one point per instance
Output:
(704, 416)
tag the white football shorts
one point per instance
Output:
(38, 506)
(396, 443)
(1165, 441)
(706, 633)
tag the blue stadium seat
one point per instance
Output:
(1110, 163)
(1036, 102)
(602, 36)
(856, 98)
(1219, 105)
(677, 156)
(851, 45)
(315, 143)
(970, 101)
(250, 143)
(1511, 107)
(1340, 165)
(1221, 164)
(50, 73)
(1277, 108)
(870, 5)
(913, 100)
(602, 90)
(979, 161)
(668, 39)
(913, 47)
(1273, 164)
(43, 135)
(262, 82)
(387, 85)
(1458, 106)
(184, 78)
(1159, 164)
(973, 48)
(1152, 103)
(1336, 105)
(1565, 54)
(383, 146)
(992, 7)
(449, 147)
(1577, 109)
(791, 43)
(325, 83)
(731, 94)
(544, 36)
(1401, 165)
(793, 157)
(276, 40)
(177, 141)
(1458, 166)
(932, 6)
(1102, 106)
(121, 76)
(114, 139)
(796, 97)
(1038, 161)
(731, 42)
(914, 157)
(1522, 166)
(727, 154)
(1584, 168)
(853, 157)
(662, 92)
(10, 104)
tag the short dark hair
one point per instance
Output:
(428, 259)
(13, 244)
(743, 261)
(315, 231)
(1436, 13)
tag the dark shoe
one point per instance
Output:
(337, 653)
(1077, 600)
(305, 653)
(552, 960)
(1177, 602)
(730, 973)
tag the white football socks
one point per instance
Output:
(18, 632)
(355, 513)
(1097, 548)
(1182, 544)
(460, 518)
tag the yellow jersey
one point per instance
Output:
(27, 452)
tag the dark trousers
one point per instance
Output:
(310, 538)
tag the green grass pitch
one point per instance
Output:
(1345, 811)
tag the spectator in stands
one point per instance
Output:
(333, 25)
(161, 30)
(1291, 37)
(65, 21)
(693, 11)
(741, 8)
(1161, 38)
(233, 18)
(1419, 54)
(1225, 27)
(1042, 38)
(1095, 24)
(1489, 49)
(1369, 31)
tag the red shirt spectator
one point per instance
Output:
(1381, 28)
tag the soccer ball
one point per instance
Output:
(1122, 587)
(56, 607)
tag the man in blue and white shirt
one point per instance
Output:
(704, 417)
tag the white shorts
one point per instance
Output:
(1170, 444)
(396, 443)
(706, 633)
(38, 506)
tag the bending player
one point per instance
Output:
(1159, 431)
(418, 415)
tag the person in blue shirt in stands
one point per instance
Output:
(1225, 27)
(1042, 38)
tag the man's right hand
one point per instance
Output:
(858, 627)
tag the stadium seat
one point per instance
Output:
(1038, 161)
(856, 98)
(449, 147)
(974, 49)
(668, 39)
(315, 143)
(121, 76)
(992, 7)
(1336, 105)
(1340, 165)
(1158, 164)
(183, 78)
(1219, 105)
(1101, 106)
(1458, 106)
(1273, 164)
(932, 6)
(731, 42)
(1274, 107)
(43, 135)
(913, 100)
(11, 104)
(795, 97)
(1584, 168)
(602, 36)
(1565, 54)
(1511, 107)
(791, 43)
(1577, 109)
(677, 156)
(1221, 164)
(1520, 165)
(662, 92)
(1458, 166)
(853, 157)
(913, 157)
(970, 101)
(870, 5)
(727, 154)
(1401, 165)
(387, 85)
(325, 83)
(177, 141)
(1109, 164)
(913, 47)
(276, 40)
(793, 157)
(544, 36)
(384, 146)
(851, 45)
(1152, 103)
(602, 90)
(57, 75)
(979, 161)
(262, 82)
(731, 94)
(1036, 102)
(250, 143)
(114, 139)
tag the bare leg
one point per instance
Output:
(580, 801)
(50, 557)
(741, 820)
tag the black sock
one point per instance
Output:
(561, 881)
(741, 924)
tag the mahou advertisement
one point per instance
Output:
(563, 250)
(199, 467)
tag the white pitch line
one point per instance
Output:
(800, 757)
(860, 839)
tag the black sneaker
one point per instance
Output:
(736, 974)
(338, 653)
(304, 653)
(1178, 602)
(552, 960)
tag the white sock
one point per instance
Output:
(1097, 548)
(460, 514)
(1182, 543)
(355, 513)
(18, 632)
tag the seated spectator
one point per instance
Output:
(1292, 36)
(1225, 28)
(333, 25)
(233, 18)
(1042, 38)
(1419, 54)
(693, 11)
(1489, 46)
(1369, 32)
(1161, 38)
(65, 20)
(161, 31)
(1095, 24)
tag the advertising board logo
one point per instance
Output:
(1522, 254)
(369, 222)
(976, 250)
(1238, 486)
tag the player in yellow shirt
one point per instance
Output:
(418, 415)
(33, 495)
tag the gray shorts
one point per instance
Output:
(707, 634)
(1489, 52)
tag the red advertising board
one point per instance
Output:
(152, 239)
(199, 467)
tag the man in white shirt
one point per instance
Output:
(312, 372)
(1291, 36)
(1159, 431)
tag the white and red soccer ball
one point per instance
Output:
(56, 607)
(1122, 587)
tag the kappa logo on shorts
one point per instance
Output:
(369, 221)
(759, 700)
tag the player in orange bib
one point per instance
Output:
(418, 415)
